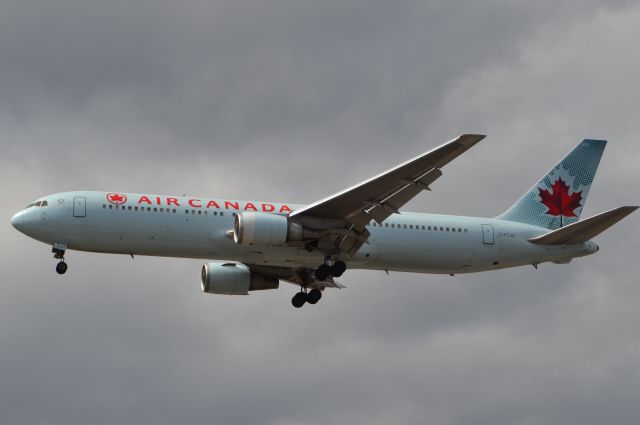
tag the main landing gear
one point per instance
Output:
(311, 297)
(58, 254)
(330, 268)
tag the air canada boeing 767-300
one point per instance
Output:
(254, 245)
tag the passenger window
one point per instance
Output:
(447, 229)
(405, 226)
(110, 207)
(199, 212)
(174, 210)
(465, 230)
(422, 227)
(161, 209)
(441, 229)
(104, 206)
(129, 207)
(386, 224)
(411, 226)
(221, 213)
(393, 225)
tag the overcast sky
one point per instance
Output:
(294, 100)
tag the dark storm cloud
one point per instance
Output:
(294, 100)
(235, 74)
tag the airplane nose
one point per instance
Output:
(18, 221)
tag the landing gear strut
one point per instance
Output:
(58, 254)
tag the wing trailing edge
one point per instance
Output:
(582, 231)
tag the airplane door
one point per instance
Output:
(487, 234)
(79, 206)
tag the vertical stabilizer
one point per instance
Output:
(557, 199)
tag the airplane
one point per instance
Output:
(252, 245)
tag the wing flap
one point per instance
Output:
(582, 231)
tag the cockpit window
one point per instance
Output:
(38, 204)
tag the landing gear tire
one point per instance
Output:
(338, 268)
(299, 299)
(314, 296)
(325, 270)
(61, 267)
(322, 272)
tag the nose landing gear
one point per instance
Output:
(58, 253)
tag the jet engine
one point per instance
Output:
(254, 228)
(234, 279)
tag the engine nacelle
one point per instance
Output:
(234, 279)
(266, 229)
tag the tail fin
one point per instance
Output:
(557, 199)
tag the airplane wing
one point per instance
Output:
(377, 198)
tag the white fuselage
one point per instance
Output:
(173, 226)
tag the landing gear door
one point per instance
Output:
(79, 206)
(487, 234)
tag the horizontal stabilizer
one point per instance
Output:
(582, 231)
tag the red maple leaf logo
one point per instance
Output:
(116, 198)
(558, 201)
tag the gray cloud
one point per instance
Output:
(295, 100)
